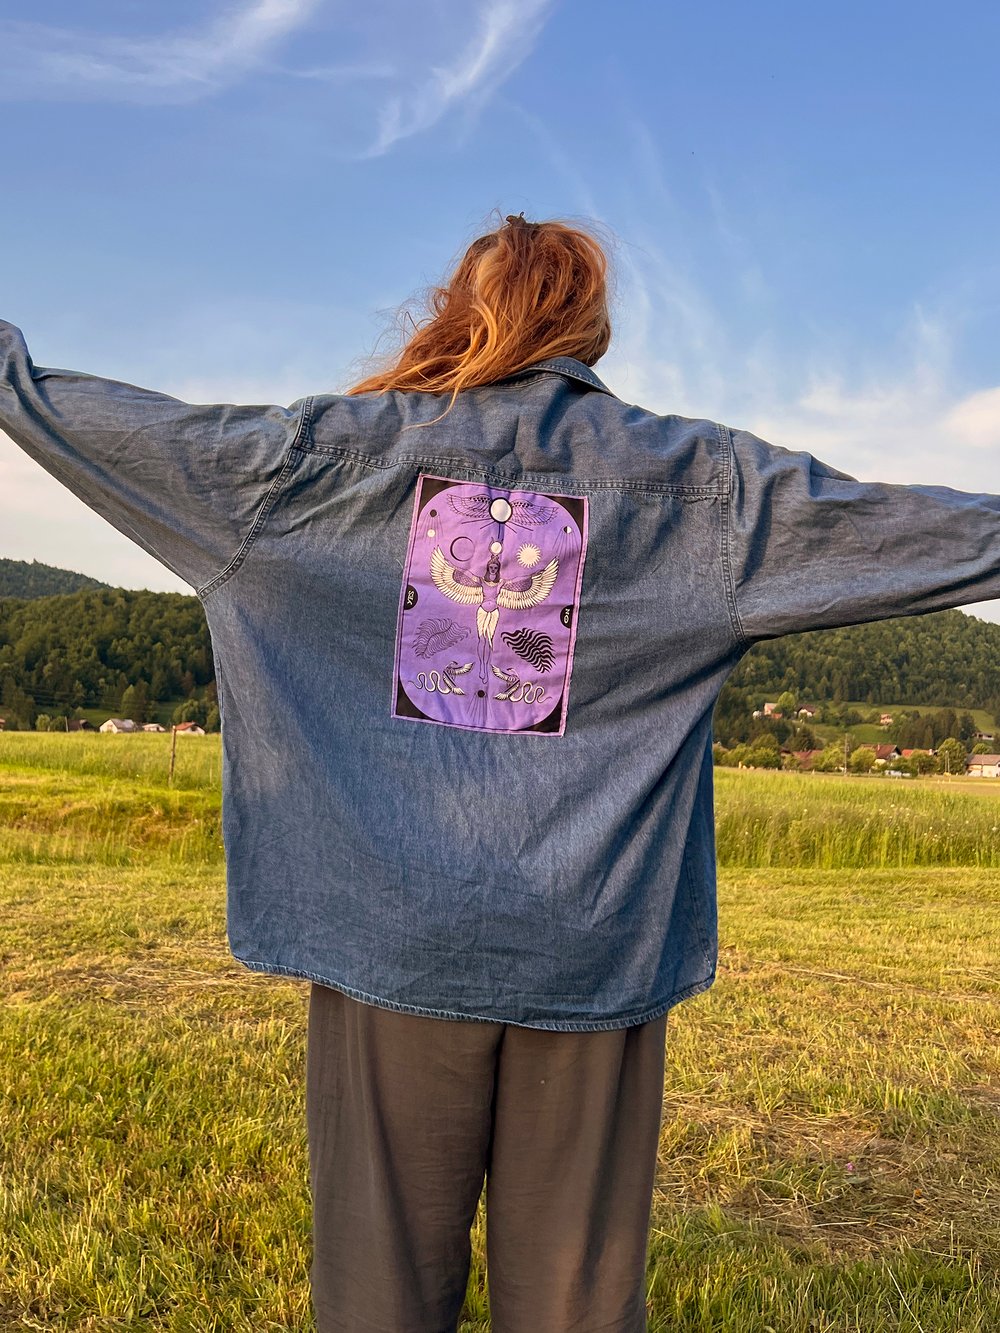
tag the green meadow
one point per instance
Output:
(830, 1147)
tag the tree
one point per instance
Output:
(191, 710)
(967, 727)
(951, 756)
(831, 760)
(42, 722)
(803, 738)
(785, 703)
(766, 741)
(981, 747)
(135, 702)
(213, 721)
(862, 760)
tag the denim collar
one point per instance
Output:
(565, 365)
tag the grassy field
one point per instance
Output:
(830, 1149)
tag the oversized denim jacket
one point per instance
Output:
(467, 663)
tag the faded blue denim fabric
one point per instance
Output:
(553, 881)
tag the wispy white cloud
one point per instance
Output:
(907, 420)
(912, 424)
(700, 334)
(504, 33)
(41, 62)
(408, 67)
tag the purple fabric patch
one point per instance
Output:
(488, 608)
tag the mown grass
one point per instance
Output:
(830, 1148)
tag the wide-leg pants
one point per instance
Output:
(407, 1115)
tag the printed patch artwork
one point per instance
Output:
(488, 608)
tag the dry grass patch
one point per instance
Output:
(830, 1150)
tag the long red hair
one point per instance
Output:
(520, 294)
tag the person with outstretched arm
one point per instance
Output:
(470, 620)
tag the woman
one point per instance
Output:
(470, 621)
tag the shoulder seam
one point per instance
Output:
(302, 427)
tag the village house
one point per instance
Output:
(189, 729)
(883, 753)
(119, 724)
(806, 711)
(152, 726)
(885, 720)
(983, 766)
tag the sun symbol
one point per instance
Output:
(528, 555)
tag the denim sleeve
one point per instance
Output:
(812, 548)
(187, 483)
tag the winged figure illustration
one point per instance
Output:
(489, 592)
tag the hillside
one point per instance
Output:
(80, 650)
(947, 659)
(23, 578)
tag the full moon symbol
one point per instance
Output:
(462, 548)
(500, 510)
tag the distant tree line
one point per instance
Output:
(113, 649)
(131, 652)
(837, 756)
(30, 578)
(945, 659)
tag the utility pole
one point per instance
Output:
(847, 741)
(173, 750)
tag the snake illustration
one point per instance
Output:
(518, 690)
(443, 681)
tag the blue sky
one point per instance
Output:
(225, 201)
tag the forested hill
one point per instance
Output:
(23, 578)
(84, 649)
(946, 658)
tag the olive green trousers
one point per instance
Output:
(408, 1115)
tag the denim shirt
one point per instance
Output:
(467, 663)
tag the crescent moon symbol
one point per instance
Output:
(465, 546)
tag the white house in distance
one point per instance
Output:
(189, 729)
(152, 726)
(983, 766)
(119, 724)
